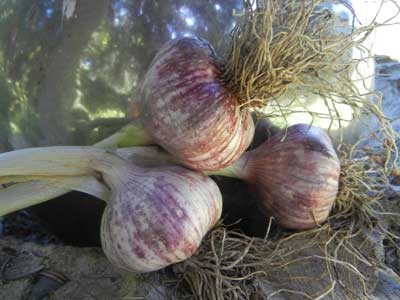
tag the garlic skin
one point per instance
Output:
(186, 108)
(157, 217)
(296, 179)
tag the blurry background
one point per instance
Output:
(69, 69)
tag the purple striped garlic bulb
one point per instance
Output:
(186, 108)
(295, 174)
(158, 217)
(154, 216)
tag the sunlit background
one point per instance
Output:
(382, 42)
(385, 38)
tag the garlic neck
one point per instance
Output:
(115, 170)
(239, 169)
(49, 161)
(63, 161)
(133, 134)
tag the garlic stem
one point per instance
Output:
(148, 156)
(130, 135)
(44, 190)
(74, 160)
(236, 170)
(23, 178)
(51, 161)
(65, 161)
(20, 196)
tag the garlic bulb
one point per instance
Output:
(186, 108)
(154, 217)
(295, 174)
(158, 217)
